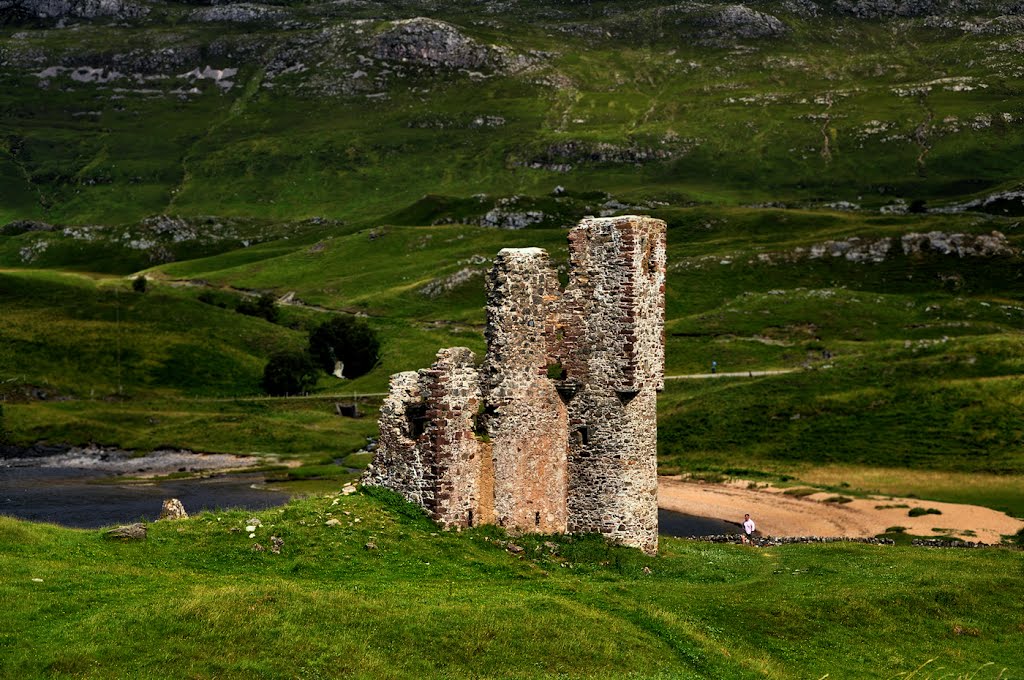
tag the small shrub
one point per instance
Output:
(919, 512)
(1018, 539)
(800, 491)
(888, 507)
(710, 477)
(896, 530)
(838, 499)
(289, 373)
(347, 339)
(264, 307)
(139, 284)
(918, 206)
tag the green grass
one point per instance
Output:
(194, 599)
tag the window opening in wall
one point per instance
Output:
(482, 421)
(536, 518)
(469, 520)
(556, 371)
(582, 435)
(416, 414)
(648, 247)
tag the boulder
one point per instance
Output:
(172, 509)
(127, 532)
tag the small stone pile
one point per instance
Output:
(769, 541)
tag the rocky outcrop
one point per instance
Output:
(77, 9)
(564, 156)
(858, 249)
(707, 23)
(879, 9)
(127, 532)
(734, 22)
(243, 12)
(961, 245)
(440, 45)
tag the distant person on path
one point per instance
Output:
(748, 530)
(714, 367)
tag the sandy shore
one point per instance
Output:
(777, 514)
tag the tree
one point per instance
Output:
(264, 307)
(347, 339)
(289, 373)
(139, 284)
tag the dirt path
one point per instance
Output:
(778, 514)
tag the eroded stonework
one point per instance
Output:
(557, 430)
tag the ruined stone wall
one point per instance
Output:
(614, 358)
(428, 451)
(558, 429)
(525, 419)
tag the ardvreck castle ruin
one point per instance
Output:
(557, 430)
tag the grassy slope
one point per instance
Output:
(195, 600)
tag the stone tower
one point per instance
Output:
(614, 357)
(557, 430)
(525, 418)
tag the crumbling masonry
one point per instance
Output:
(557, 430)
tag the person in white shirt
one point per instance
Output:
(748, 529)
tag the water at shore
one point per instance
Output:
(82, 487)
(672, 523)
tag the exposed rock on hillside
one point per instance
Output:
(79, 9)
(856, 249)
(437, 44)
(708, 23)
(563, 156)
(961, 245)
(241, 13)
(876, 9)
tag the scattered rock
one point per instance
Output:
(172, 509)
(370, 546)
(961, 245)
(348, 490)
(514, 549)
(333, 522)
(255, 522)
(127, 532)
(242, 12)
(256, 547)
(276, 544)
(78, 9)
(647, 570)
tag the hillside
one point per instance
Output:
(350, 110)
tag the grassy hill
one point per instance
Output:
(383, 594)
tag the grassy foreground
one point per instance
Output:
(385, 594)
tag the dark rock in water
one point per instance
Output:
(172, 509)
(127, 532)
